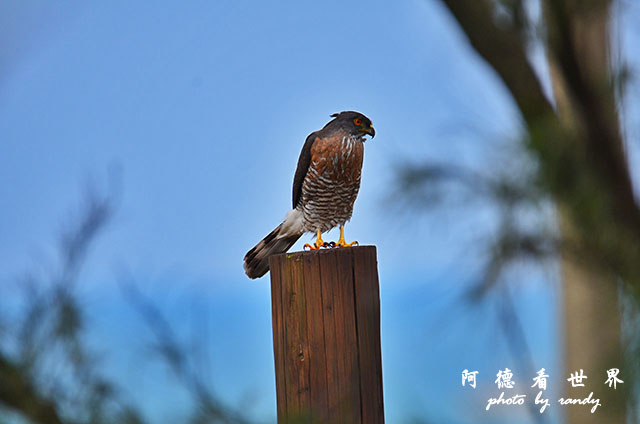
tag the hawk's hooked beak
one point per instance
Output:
(371, 131)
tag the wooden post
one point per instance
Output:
(326, 336)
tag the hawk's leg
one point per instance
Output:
(341, 242)
(318, 244)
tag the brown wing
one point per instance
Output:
(303, 167)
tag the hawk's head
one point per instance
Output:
(354, 122)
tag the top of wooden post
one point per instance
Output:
(327, 251)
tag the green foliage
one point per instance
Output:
(48, 374)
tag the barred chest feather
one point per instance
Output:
(332, 182)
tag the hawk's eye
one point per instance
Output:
(357, 121)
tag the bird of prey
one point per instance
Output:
(325, 187)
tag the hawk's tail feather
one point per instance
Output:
(256, 261)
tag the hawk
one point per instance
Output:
(325, 186)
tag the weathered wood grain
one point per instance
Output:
(326, 335)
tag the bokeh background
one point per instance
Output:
(187, 119)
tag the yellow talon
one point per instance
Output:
(341, 242)
(318, 244)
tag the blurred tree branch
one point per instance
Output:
(591, 299)
(578, 146)
(47, 373)
(171, 351)
(16, 392)
(582, 166)
(503, 48)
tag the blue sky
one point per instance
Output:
(203, 108)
